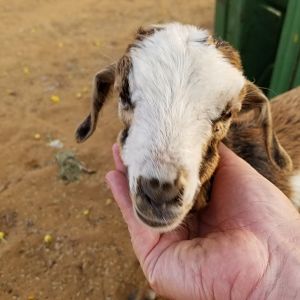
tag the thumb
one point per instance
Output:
(235, 185)
(143, 239)
(228, 159)
(239, 187)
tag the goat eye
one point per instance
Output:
(126, 104)
(124, 135)
(226, 114)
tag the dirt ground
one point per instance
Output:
(53, 48)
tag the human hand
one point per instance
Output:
(245, 244)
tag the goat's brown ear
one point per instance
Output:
(101, 87)
(254, 100)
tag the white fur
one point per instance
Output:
(295, 184)
(179, 83)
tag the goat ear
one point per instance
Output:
(254, 100)
(101, 87)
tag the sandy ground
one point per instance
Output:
(53, 48)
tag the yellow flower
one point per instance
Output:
(26, 70)
(55, 99)
(48, 238)
(2, 235)
(86, 212)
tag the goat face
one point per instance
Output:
(178, 88)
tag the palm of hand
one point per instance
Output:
(222, 252)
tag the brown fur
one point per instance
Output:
(142, 33)
(211, 157)
(114, 74)
(228, 52)
(256, 102)
(122, 88)
(102, 84)
(286, 121)
(251, 135)
(122, 85)
(124, 66)
(254, 137)
(247, 140)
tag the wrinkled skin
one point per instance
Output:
(245, 245)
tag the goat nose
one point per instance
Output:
(159, 193)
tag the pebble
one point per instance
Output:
(37, 136)
(57, 144)
(108, 201)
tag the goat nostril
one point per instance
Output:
(157, 193)
(154, 183)
(166, 186)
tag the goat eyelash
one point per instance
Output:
(226, 114)
(124, 135)
(126, 104)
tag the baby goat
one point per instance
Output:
(181, 92)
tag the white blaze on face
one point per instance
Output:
(179, 83)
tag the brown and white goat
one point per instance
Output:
(181, 92)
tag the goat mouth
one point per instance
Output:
(164, 217)
(153, 223)
(159, 219)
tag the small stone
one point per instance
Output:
(78, 95)
(57, 144)
(11, 93)
(108, 201)
(37, 136)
